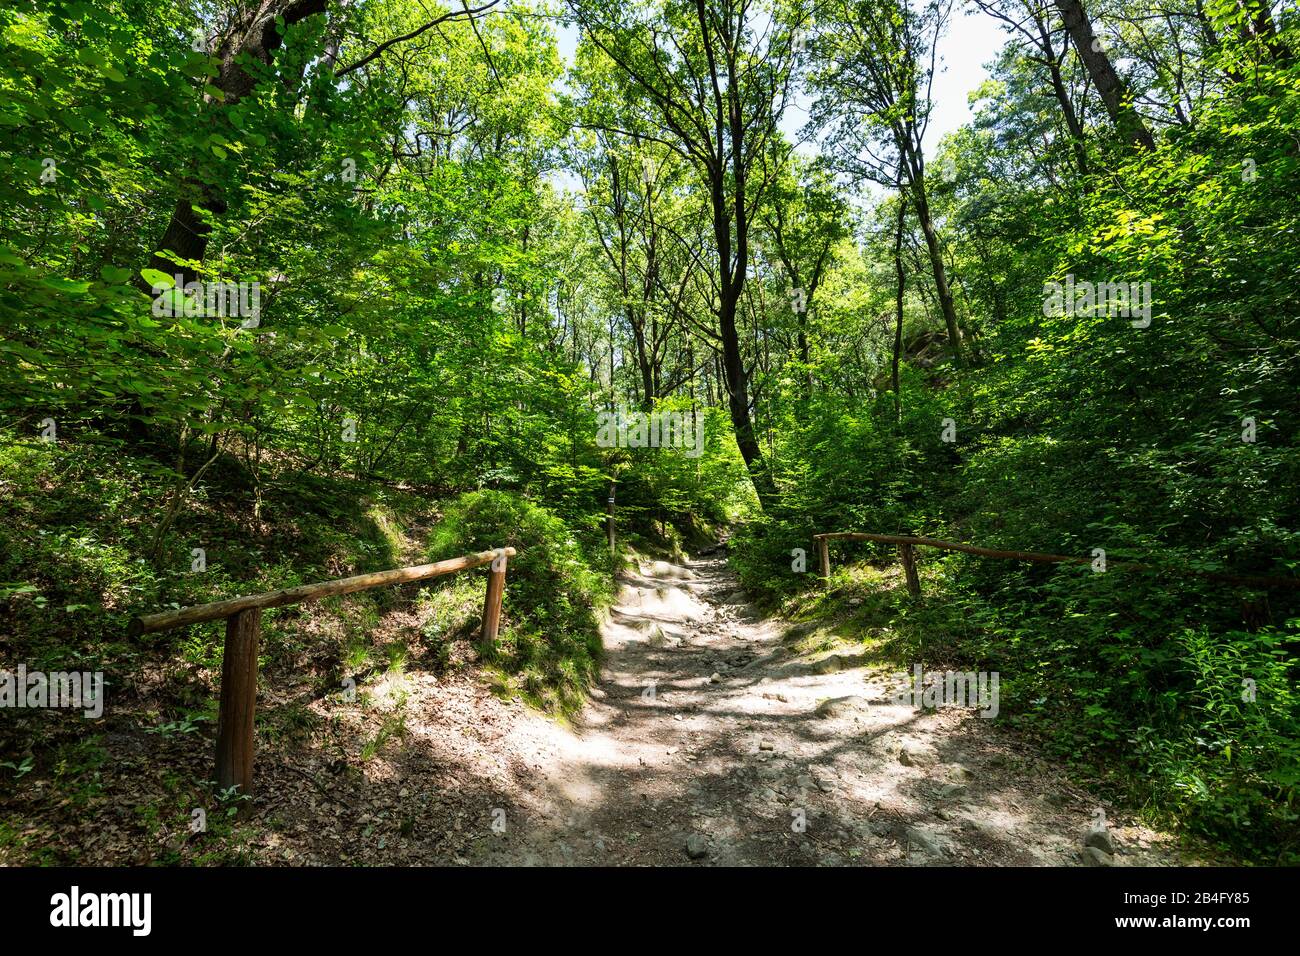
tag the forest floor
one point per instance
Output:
(709, 740)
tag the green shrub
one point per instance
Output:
(763, 554)
(548, 650)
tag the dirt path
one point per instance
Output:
(706, 742)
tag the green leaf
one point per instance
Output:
(92, 58)
(70, 286)
(157, 279)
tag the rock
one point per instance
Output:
(922, 839)
(715, 678)
(697, 847)
(662, 569)
(959, 773)
(987, 829)
(804, 781)
(914, 756)
(840, 706)
(831, 664)
(1099, 838)
(766, 745)
(1095, 857)
(950, 790)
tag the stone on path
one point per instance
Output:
(1100, 838)
(696, 846)
(1095, 857)
(924, 840)
(840, 706)
(913, 756)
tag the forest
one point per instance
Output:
(651, 291)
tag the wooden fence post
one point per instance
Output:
(824, 552)
(609, 513)
(496, 587)
(238, 701)
(908, 557)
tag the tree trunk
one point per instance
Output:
(1113, 91)
(738, 401)
(946, 305)
(1257, 24)
(256, 37)
(1071, 117)
(898, 305)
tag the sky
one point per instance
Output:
(970, 41)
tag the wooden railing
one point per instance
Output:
(243, 616)
(907, 555)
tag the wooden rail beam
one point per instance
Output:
(166, 620)
(243, 616)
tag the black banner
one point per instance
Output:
(246, 906)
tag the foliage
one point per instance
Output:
(549, 646)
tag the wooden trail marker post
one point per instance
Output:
(908, 557)
(496, 588)
(243, 617)
(609, 516)
(238, 701)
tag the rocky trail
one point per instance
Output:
(709, 740)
